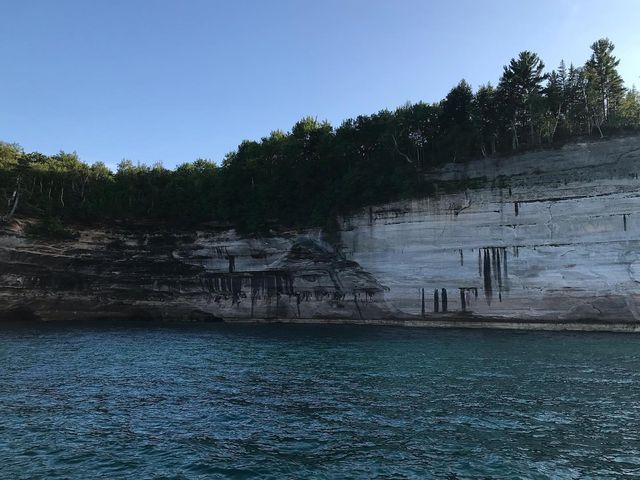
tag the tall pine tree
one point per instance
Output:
(605, 87)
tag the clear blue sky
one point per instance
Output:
(171, 81)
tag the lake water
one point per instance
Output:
(277, 401)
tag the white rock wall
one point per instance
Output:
(549, 235)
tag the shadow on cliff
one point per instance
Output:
(19, 314)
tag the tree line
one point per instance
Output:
(309, 175)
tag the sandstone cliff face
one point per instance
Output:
(181, 276)
(549, 236)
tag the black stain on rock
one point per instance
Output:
(488, 291)
(444, 300)
(494, 271)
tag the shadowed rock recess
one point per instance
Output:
(544, 238)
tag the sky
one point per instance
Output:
(173, 81)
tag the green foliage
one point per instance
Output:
(629, 109)
(458, 136)
(605, 88)
(315, 172)
(519, 92)
(486, 118)
(9, 154)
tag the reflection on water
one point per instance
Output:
(221, 401)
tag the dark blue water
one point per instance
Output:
(316, 402)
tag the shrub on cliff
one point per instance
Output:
(50, 228)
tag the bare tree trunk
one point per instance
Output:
(533, 133)
(397, 148)
(532, 129)
(15, 198)
(591, 118)
(483, 150)
(84, 184)
(595, 120)
(555, 125)
(8, 216)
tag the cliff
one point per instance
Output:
(168, 275)
(549, 237)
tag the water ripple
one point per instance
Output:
(319, 402)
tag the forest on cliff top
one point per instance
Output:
(309, 175)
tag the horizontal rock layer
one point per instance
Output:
(550, 236)
(183, 276)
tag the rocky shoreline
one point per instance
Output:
(546, 240)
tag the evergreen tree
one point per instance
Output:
(486, 118)
(604, 87)
(629, 110)
(456, 123)
(520, 89)
(309, 175)
(577, 109)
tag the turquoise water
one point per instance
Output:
(220, 401)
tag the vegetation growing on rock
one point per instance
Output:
(310, 174)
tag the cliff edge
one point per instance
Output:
(543, 237)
